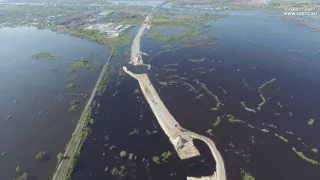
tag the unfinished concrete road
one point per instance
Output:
(181, 138)
(182, 142)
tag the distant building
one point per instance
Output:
(111, 29)
(119, 27)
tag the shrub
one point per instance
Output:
(59, 157)
(123, 153)
(18, 169)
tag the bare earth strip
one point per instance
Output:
(181, 138)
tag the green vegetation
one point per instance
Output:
(134, 21)
(232, 119)
(18, 169)
(261, 95)
(209, 131)
(315, 150)
(163, 38)
(165, 156)
(7, 118)
(214, 109)
(246, 175)
(164, 83)
(191, 88)
(172, 82)
(266, 83)
(96, 64)
(82, 63)
(199, 96)
(300, 154)
(205, 88)
(186, 25)
(43, 55)
(74, 105)
(311, 122)
(123, 154)
(167, 46)
(136, 91)
(102, 86)
(135, 131)
(81, 136)
(153, 132)
(171, 19)
(209, 17)
(281, 137)
(120, 173)
(217, 122)
(59, 157)
(91, 121)
(72, 78)
(20, 14)
(93, 35)
(156, 159)
(196, 60)
(71, 85)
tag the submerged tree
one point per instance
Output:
(59, 157)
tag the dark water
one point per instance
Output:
(40, 120)
(253, 47)
(121, 111)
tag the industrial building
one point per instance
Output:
(111, 29)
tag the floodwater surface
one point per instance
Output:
(253, 94)
(34, 93)
(253, 48)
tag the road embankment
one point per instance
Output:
(66, 166)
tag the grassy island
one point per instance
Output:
(43, 55)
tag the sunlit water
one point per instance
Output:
(253, 48)
(40, 119)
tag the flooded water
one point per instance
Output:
(122, 110)
(40, 118)
(126, 142)
(252, 48)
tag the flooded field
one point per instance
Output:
(254, 93)
(126, 142)
(249, 81)
(45, 79)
